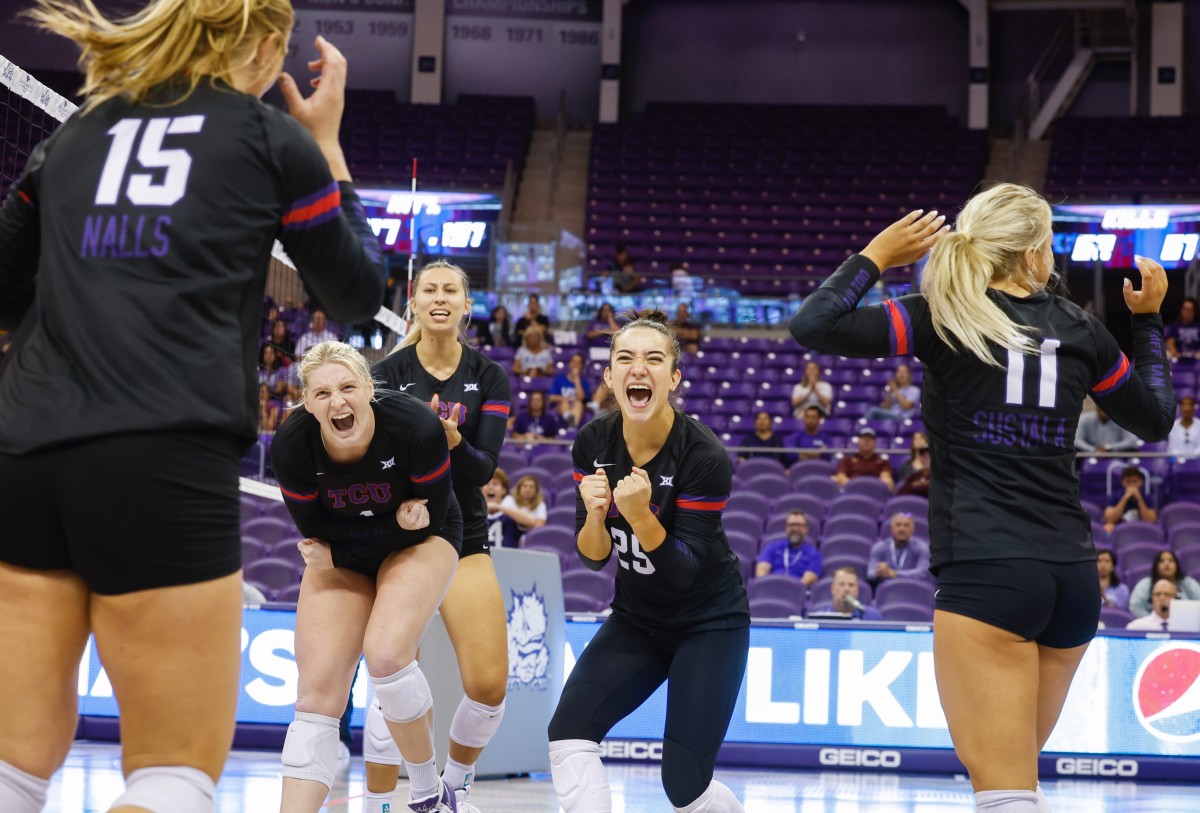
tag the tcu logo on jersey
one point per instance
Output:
(444, 408)
(360, 494)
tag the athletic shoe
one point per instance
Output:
(463, 805)
(443, 801)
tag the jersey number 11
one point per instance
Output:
(1047, 381)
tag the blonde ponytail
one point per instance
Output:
(992, 234)
(192, 40)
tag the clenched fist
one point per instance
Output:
(632, 494)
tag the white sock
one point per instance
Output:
(377, 802)
(1006, 801)
(422, 779)
(1043, 804)
(457, 775)
(21, 792)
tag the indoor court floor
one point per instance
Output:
(91, 779)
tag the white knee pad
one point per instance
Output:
(475, 724)
(169, 789)
(716, 799)
(579, 777)
(378, 745)
(310, 750)
(404, 696)
(21, 792)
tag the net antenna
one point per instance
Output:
(412, 241)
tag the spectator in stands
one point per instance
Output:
(901, 555)
(503, 531)
(270, 411)
(498, 330)
(794, 555)
(1131, 504)
(1183, 335)
(295, 316)
(866, 462)
(682, 282)
(1112, 592)
(764, 436)
(627, 280)
(1164, 593)
(1099, 433)
(914, 474)
(534, 358)
(569, 392)
(270, 314)
(811, 435)
(604, 400)
(1184, 439)
(282, 341)
(271, 372)
(535, 422)
(812, 391)
(1166, 566)
(318, 332)
(901, 398)
(524, 505)
(844, 597)
(687, 332)
(533, 316)
(600, 331)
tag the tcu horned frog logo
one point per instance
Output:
(528, 655)
(1166, 693)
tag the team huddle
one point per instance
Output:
(382, 467)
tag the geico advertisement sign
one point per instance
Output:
(859, 758)
(1089, 766)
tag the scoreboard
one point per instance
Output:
(1112, 235)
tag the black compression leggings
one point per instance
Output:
(623, 665)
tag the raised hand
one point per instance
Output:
(596, 495)
(1154, 287)
(453, 436)
(907, 240)
(632, 494)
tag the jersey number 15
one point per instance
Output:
(141, 189)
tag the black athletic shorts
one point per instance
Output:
(367, 556)
(126, 512)
(1055, 604)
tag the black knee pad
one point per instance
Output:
(685, 775)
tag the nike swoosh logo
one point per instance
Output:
(600, 465)
(403, 387)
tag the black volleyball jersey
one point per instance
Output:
(355, 505)
(134, 253)
(481, 387)
(691, 581)
(1002, 477)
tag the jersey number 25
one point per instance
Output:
(630, 553)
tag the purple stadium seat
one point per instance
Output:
(831, 563)
(902, 590)
(279, 510)
(871, 487)
(850, 524)
(743, 545)
(1136, 554)
(1115, 618)
(1185, 480)
(847, 545)
(273, 573)
(554, 461)
(856, 504)
(599, 584)
(744, 499)
(780, 588)
(562, 516)
(907, 612)
(287, 550)
(1133, 574)
(762, 466)
(561, 540)
(253, 549)
(819, 486)
(812, 506)
(743, 522)
(270, 529)
(251, 507)
(1179, 513)
(1185, 536)
(1093, 510)
(772, 608)
(1128, 533)
(906, 504)
(510, 460)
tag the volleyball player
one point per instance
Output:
(1008, 364)
(652, 485)
(470, 395)
(133, 258)
(368, 482)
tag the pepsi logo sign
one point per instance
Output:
(1166, 693)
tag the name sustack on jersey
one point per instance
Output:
(481, 388)
(1003, 436)
(690, 478)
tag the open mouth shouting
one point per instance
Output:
(639, 395)
(343, 422)
(439, 315)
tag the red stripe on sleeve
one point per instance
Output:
(320, 207)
